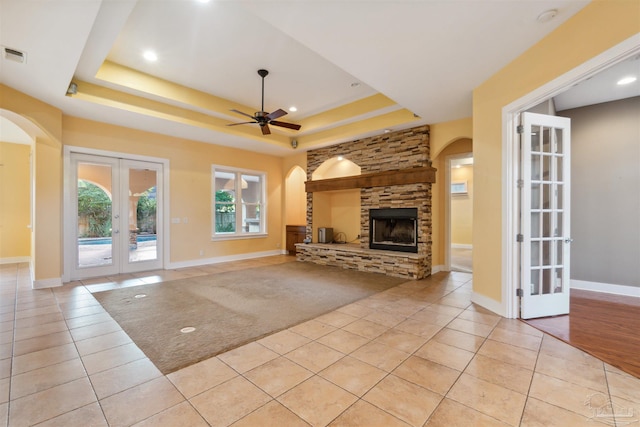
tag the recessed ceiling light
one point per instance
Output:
(203, 1)
(627, 80)
(293, 109)
(150, 55)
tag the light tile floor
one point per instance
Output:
(417, 354)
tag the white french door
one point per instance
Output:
(545, 215)
(116, 211)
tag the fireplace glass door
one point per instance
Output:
(393, 229)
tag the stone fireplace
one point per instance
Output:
(396, 175)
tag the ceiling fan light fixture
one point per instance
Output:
(264, 119)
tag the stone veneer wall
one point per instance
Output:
(399, 150)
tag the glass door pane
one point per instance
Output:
(94, 209)
(544, 209)
(116, 211)
(251, 203)
(143, 218)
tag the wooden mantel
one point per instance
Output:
(376, 179)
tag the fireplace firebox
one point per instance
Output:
(393, 229)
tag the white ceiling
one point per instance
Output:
(426, 56)
(603, 87)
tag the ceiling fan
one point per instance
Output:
(263, 118)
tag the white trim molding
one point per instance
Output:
(438, 268)
(15, 260)
(54, 282)
(510, 210)
(608, 288)
(217, 260)
(68, 226)
(488, 303)
(461, 246)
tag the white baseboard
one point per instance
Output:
(217, 260)
(437, 268)
(608, 288)
(488, 303)
(15, 259)
(461, 246)
(54, 282)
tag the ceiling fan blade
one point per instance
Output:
(265, 129)
(276, 114)
(285, 125)
(244, 114)
(243, 123)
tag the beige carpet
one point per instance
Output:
(230, 309)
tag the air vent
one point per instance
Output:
(14, 55)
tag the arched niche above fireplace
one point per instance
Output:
(336, 167)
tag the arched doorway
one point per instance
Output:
(453, 195)
(15, 193)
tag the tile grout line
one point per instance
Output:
(526, 401)
(73, 340)
(13, 345)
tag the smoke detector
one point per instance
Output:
(547, 15)
(14, 55)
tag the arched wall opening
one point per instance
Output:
(15, 191)
(457, 147)
(44, 189)
(295, 197)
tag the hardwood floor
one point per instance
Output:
(604, 325)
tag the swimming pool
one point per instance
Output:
(107, 240)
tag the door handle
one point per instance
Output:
(568, 240)
(116, 231)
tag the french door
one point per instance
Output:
(545, 220)
(116, 210)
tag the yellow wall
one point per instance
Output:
(295, 197)
(335, 168)
(190, 184)
(321, 217)
(595, 29)
(47, 222)
(15, 206)
(345, 214)
(462, 207)
(443, 134)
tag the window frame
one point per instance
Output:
(239, 233)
